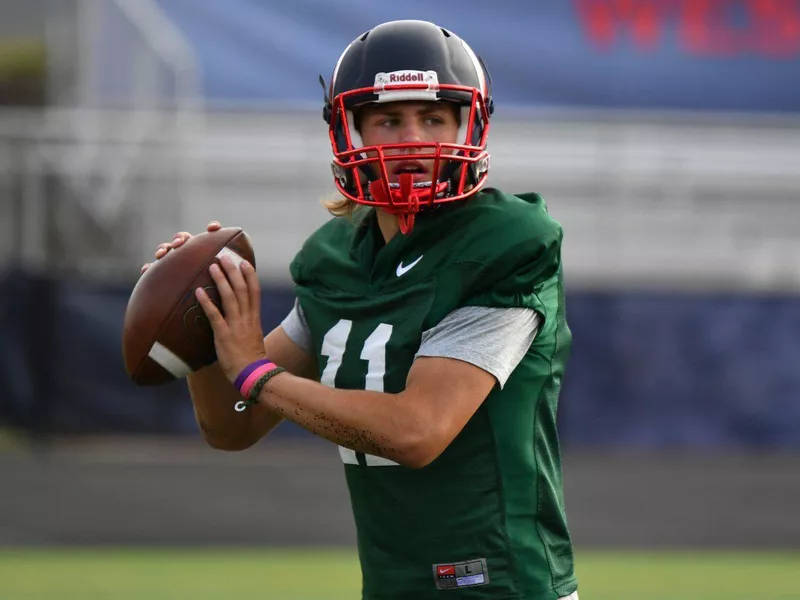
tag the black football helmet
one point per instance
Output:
(408, 61)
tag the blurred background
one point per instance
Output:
(665, 135)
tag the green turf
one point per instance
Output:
(122, 574)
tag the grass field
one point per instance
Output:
(124, 574)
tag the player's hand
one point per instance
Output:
(178, 240)
(238, 337)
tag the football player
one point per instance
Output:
(428, 339)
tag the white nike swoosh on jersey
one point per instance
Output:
(402, 270)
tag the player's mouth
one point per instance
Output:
(417, 168)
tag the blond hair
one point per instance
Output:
(339, 206)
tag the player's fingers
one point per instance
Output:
(213, 226)
(230, 304)
(212, 312)
(253, 287)
(180, 238)
(145, 266)
(237, 282)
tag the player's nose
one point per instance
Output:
(411, 132)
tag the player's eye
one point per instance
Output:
(434, 120)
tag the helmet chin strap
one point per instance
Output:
(405, 199)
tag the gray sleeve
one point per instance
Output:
(494, 339)
(296, 327)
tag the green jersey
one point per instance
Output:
(486, 518)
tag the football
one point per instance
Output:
(166, 335)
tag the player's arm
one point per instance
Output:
(213, 397)
(411, 428)
(458, 364)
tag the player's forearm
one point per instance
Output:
(364, 421)
(213, 398)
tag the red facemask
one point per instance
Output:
(459, 170)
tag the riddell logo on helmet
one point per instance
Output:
(400, 77)
(409, 77)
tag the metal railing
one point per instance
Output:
(642, 201)
(89, 161)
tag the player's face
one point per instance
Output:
(409, 122)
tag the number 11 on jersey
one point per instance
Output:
(374, 353)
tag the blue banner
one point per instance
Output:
(741, 55)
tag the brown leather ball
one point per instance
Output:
(166, 335)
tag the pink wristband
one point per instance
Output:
(257, 374)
